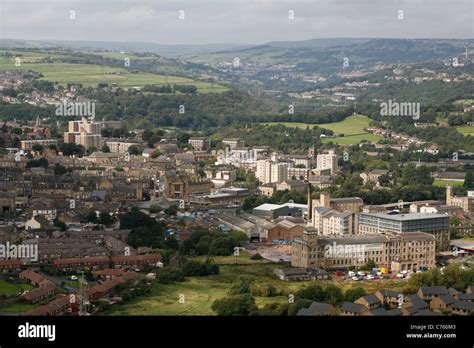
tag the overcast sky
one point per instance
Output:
(233, 21)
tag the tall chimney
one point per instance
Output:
(310, 203)
(449, 195)
(325, 199)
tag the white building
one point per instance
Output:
(330, 222)
(327, 161)
(119, 146)
(271, 172)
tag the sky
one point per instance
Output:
(233, 21)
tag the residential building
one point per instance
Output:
(199, 143)
(269, 171)
(27, 145)
(329, 222)
(84, 132)
(120, 146)
(233, 142)
(327, 161)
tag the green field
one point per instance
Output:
(352, 128)
(11, 289)
(91, 75)
(17, 307)
(444, 183)
(466, 130)
(118, 55)
(464, 102)
(200, 292)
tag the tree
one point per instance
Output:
(235, 305)
(59, 169)
(105, 218)
(90, 151)
(37, 148)
(135, 218)
(469, 180)
(58, 223)
(134, 150)
(105, 149)
(172, 210)
(312, 292)
(333, 295)
(384, 180)
(199, 269)
(301, 303)
(35, 163)
(171, 243)
(369, 265)
(353, 294)
(169, 275)
(69, 149)
(91, 217)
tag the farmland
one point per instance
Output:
(466, 130)
(444, 183)
(352, 128)
(91, 75)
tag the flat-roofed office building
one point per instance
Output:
(435, 224)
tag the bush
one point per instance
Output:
(169, 275)
(235, 305)
(313, 293)
(243, 285)
(276, 309)
(333, 295)
(295, 307)
(256, 256)
(264, 290)
(353, 294)
(198, 269)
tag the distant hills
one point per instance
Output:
(278, 51)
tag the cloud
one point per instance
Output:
(233, 21)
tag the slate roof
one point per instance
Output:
(352, 307)
(434, 290)
(316, 308)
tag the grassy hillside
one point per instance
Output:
(64, 72)
(352, 128)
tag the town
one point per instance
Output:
(279, 165)
(146, 204)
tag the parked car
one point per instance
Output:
(400, 275)
(73, 277)
(369, 277)
(362, 274)
(351, 274)
(355, 278)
